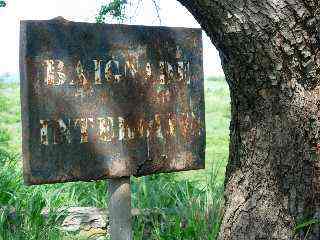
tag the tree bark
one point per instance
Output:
(271, 59)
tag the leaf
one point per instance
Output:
(306, 224)
(3, 3)
(115, 9)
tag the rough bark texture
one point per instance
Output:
(270, 55)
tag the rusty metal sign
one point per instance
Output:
(105, 101)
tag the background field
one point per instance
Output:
(188, 204)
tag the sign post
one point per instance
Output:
(103, 101)
(120, 217)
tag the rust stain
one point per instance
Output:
(106, 101)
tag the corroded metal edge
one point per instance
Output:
(24, 103)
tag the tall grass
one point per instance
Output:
(184, 205)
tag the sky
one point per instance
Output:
(172, 14)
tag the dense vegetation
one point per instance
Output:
(189, 203)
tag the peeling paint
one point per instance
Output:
(106, 101)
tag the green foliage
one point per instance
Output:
(4, 136)
(114, 9)
(186, 211)
(3, 3)
(3, 103)
(305, 227)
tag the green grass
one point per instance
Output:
(189, 203)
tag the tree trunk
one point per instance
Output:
(270, 55)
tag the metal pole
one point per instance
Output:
(120, 209)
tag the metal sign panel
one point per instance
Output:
(106, 101)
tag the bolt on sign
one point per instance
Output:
(106, 101)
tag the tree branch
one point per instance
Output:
(157, 7)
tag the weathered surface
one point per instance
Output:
(120, 217)
(89, 222)
(94, 222)
(106, 101)
(271, 58)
